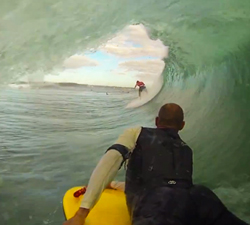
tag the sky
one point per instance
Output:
(129, 56)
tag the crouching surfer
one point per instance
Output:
(142, 87)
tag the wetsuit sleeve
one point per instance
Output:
(108, 167)
(126, 142)
(102, 175)
(129, 138)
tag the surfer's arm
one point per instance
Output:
(128, 139)
(108, 167)
(106, 170)
(102, 175)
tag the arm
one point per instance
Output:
(103, 174)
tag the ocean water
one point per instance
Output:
(52, 139)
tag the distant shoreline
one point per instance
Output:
(66, 84)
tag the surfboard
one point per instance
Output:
(111, 208)
(140, 101)
(137, 103)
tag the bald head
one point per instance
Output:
(170, 116)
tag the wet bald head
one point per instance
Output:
(170, 116)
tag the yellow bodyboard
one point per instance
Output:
(111, 208)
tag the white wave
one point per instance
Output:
(19, 86)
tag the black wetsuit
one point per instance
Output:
(159, 188)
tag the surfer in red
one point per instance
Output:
(141, 86)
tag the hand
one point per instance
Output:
(78, 218)
(109, 186)
(75, 220)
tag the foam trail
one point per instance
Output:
(19, 86)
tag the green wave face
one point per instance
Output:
(207, 71)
